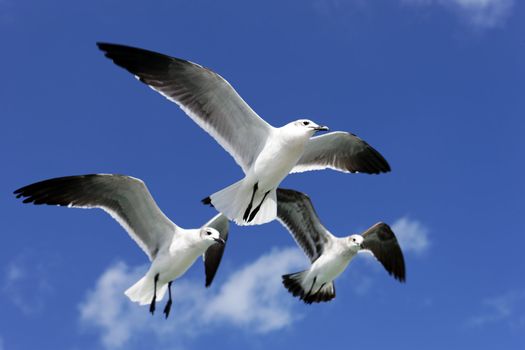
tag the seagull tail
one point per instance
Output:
(233, 201)
(294, 283)
(142, 291)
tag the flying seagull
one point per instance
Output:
(265, 153)
(170, 248)
(330, 255)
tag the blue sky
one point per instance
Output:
(435, 85)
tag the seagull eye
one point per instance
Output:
(306, 123)
(353, 239)
(208, 233)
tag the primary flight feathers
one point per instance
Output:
(171, 248)
(330, 255)
(265, 153)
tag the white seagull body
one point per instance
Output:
(330, 255)
(266, 154)
(170, 248)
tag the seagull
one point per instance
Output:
(330, 255)
(265, 153)
(170, 248)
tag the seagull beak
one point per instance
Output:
(220, 241)
(321, 128)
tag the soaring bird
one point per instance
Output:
(265, 153)
(170, 248)
(330, 255)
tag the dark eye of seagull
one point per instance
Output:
(353, 239)
(208, 233)
(306, 123)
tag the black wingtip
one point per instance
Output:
(207, 201)
(104, 46)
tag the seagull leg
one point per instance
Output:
(256, 210)
(167, 308)
(249, 208)
(154, 299)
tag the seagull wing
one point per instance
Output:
(296, 213)
(205, 96)
(382, 243)
(213, 255)
(125, 198)
(341, 151)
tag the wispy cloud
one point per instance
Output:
(508, 308)
(251, 299)
(254, 296)
(412, 235)
(106, 308)
(478, 13)
(25, 282)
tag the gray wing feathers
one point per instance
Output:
(213, 255)
(382, 243)
(205, 96)
(341, 151)
(125, 198)
(296, 213)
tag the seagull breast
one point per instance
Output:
(278, 157)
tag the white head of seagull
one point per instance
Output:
(211, 236)
(265, 153)
(354, 242)
(307, 126)
(170, 248)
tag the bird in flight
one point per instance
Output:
(330, 255)
(170, 248)
(265, 153)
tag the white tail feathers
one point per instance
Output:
(142, 291)
(234, 200)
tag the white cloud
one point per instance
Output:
(479, 13)
(108, 309)
(412, 235)
(252, 298)
(25, 282)
(508, 307)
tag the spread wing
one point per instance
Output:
(296, 213)
(205, 96)
(382, 243)
(341, 151)
(213, 255)
(125, 198)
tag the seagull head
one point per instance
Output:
(355, 241)
(211, 235)
(308, 126)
